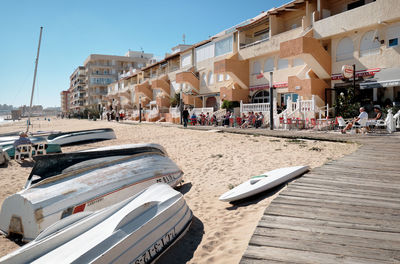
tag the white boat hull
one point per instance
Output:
(83, 187)
(137, 230)
(262, 183)
(81, 136)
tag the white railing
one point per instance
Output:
(175, 112)
(262, 107)
(154, 112)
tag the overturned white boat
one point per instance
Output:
(69, 183)
(263, 182)
(137, 230)
(72, 137)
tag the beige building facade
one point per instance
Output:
(304, 43)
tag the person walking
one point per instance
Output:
(185, 115)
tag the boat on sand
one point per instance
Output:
(136, 230)
(262, 183)
(73, 137)
(64, 184)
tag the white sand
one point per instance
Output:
(211, 163)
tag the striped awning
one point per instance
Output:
(385, 78)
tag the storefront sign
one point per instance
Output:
(266, 86)
(347, 71)
(260, 76)
(362, 73)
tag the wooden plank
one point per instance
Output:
(358, 220)
(339, 181)
(345, 200)
(375, 255)
(342, 193)
(384, 213)
(287, 255)
(347, 188)
(392, 226)
(327, 238)
(390, 236)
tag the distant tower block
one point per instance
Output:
(183, 37)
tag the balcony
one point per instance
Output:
(360, 17)
(311, 51)
(260, 48)
(248, 42)
(189, 78)
(163, 85)
(144, 89)
(191, 100)
(237, 69)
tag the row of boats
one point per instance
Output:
(107, 205)
(111, 204)
(54, 140)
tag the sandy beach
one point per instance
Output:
(212, 162)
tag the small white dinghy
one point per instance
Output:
(73, 137)
(65, 184)
(262, 183)
(136, 230)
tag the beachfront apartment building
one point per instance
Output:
(64, 102)
(101, 70)
(304, 43)
(77, 94)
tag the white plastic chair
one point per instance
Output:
(341, 122)
(40, 148)
(362, 123)
(23, 150)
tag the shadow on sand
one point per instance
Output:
(258, 197)
(182, 251)
(184, 188)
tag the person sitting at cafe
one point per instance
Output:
(362, 115)
(22, 140)
(259, 120)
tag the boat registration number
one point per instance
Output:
(166, 179)
(156, 248)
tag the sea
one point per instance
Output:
(2, 121)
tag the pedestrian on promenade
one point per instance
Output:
(185, 115)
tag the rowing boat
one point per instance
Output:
(64, 184)
(136, 230)
(262, 183)
(72, 137)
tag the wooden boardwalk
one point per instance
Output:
(347, 211)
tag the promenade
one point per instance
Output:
(347, 211)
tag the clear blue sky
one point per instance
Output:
(74, 29)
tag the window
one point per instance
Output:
(260, 97)
(393, 35)
(262, 34)
(283, 64)
(298, 62)
(223, 46)
(393, 42)
(205, 52)
(344, 49)
(227, 77)
(203, 80)
(256, 68)
(355, 4)
(186, 60)
(210, 78)
(269, 65)
(220, 77)
(369, 44)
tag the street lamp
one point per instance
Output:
(181, 105)
(140, 108)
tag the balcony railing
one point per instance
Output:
(249, 42)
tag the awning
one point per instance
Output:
(385, 78)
